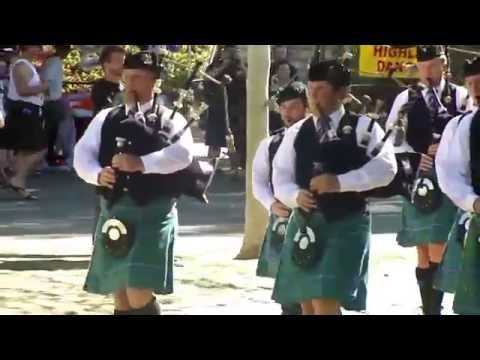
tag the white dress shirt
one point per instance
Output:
(261, 175)
(402, 99)
(169, 160)
(443, 154)
(457, 183)
(378, 172)
(2, 112)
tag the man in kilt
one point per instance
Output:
(137, 177)
(429, 107)
(462, 186)
(292, 101)
(322, 167)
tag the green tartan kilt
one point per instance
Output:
(467, 294)
(272, 247)
(149, 263)
(446, 276)
(421, 229)
(340, 274)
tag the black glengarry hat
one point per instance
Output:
(144, 60)
(471, 67)
(332, 71)
(429, 52)
(295, 90)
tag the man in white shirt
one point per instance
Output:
(137, 177)
(462, 185)
(322, 167)
(429, 108)
(292, 102)
(448, 272)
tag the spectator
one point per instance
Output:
(6, 155)
(278, 81)
(280, 55)
(3, 95)
(282, 77)
(106, 91)
(23, 120)
(229, 63)
(215, 129)
(54, 109)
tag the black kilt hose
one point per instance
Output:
(24, 129)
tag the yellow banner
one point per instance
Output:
(378, 60)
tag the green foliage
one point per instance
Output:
(174, 77)
(74, 73)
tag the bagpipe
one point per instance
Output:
(192, 181)
(198, 176)
(416, 186)
(407, 163)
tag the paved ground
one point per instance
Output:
(45, 247)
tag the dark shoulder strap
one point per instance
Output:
(114, 113)
(308, 126)
(275, 144)
(414, 93)
(347, 128)
(462, 116)
(475, 151)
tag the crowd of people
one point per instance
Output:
(38, 128)
(32, 78)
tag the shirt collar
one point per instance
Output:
(438, 89)
(143, 108)
(336, 116)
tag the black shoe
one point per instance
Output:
(436, 296)
(120, 312)
(152, 308)
(291, 309)
(424, 280)
(24, 193)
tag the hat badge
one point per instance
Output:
(147, 59)
(347, 130)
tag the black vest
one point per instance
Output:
(475, 152)
(141, 140)
(277, 138)
(336, 157)
(421, 126)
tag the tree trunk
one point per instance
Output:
(257, 129)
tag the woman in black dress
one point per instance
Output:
(24, 125)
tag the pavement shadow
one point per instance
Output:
(46, 265)
(66, 206)
(43, 256)
(66, 209)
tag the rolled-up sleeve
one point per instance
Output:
(458, 184)
(442, 157)
(85, 160)
(261, 176)
(172, 158)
